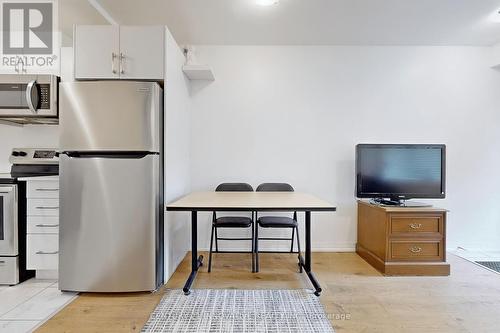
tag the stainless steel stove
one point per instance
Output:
(33, 162)
(26, 162)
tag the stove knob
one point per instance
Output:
(22, 153)
(15, 153)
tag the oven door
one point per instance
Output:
(28, 96)
(8, 221)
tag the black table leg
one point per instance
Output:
(306, 264)
(196, 261)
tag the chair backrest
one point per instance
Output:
(274, 187)
(234, 187)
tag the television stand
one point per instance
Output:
(396, 202)
(403, 240)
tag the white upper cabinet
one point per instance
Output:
(119, 52)
(142, 52)
(97, 51)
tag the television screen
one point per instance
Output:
(400, 171)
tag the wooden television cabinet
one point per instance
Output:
(403, 240)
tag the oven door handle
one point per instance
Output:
(32, 96)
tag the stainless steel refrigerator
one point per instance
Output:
(111, 186)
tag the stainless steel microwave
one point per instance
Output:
(28, 98)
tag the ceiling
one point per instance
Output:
(76, 12)
(308, 22)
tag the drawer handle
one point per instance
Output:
(2, 262)
(46, 225)
(415, 249)
(43, 252)
(415, 225)
(42, 207)
(47, 189)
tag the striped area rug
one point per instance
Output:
(231, 310)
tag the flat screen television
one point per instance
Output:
(400, 171)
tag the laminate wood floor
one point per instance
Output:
(356, 297)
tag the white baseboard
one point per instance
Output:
(46, 274)
(314, 249)
(472, 249)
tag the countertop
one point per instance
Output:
(39, 178)
(6, 178)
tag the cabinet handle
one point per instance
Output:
(2, 262)
(42, 207)
(415, 225)
(43, 252)
(113, 57)
(47, 189)
(122, 61)
(415, 249)
(46, 225)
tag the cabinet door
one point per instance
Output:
(96, 50)
(42, 251)
(142, 52)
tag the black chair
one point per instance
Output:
(230, 222)
(276, 221)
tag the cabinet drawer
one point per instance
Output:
(43, 207)
(42, 251)
(9, 273)
(43, 189)
(43, 224)
(416, 250)
(414, 225)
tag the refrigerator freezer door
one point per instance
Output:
(108, 217)
(110, 116)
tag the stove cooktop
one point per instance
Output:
(34, 162)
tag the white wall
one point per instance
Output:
(42, 136)
(177, 160)
(496, 57)
(294, 114)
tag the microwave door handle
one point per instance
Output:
(32, 96)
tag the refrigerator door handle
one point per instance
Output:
(108, 154)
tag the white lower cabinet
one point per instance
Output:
(43, 225)
(43, 207)
(42, 244)
(43, 251)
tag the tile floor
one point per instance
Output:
(26, 306)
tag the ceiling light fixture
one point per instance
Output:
(495, 16)
(267, 2)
